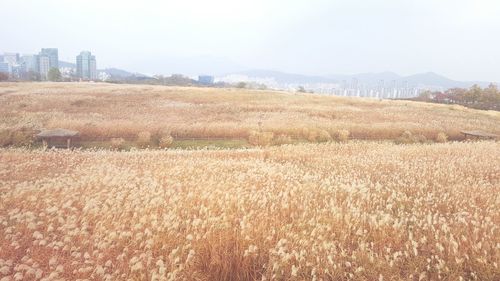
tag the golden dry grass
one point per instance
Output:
(345, 211)
(105, 111)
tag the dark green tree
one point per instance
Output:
(301, 89)
(54, 75)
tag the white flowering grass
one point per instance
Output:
(136, 113)
(333, 211)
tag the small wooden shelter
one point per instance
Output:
(477, 135)
(57, 137)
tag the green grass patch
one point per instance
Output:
(194, 144)
(182, 144)
(127, 145)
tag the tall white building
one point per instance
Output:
(29, 63)
(11, 58)
(86, 67)
(5, 67)
(44, 66)
(53, 55)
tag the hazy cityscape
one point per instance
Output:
(46, 66)
(346, 87)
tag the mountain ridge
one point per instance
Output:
(425, 79)
(430, 80)
(112, 71)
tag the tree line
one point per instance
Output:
(52, 75)
(475, 97)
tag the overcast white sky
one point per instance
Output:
(457, 38)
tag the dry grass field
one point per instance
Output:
(336, 211)
(326, 207)
(101, 112)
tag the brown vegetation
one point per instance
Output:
(342, 135)
(4, 76)
(332, 211)
(327, 210)
(117, 143)
(144, 139)
(260, 138)
(165, 141)
(441, 137)
(104, 111)
(282, 139)
(408, 138)
(17, 137)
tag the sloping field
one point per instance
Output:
(104, 111)
(348, 211)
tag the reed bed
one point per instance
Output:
(331, 211)
(101, 112)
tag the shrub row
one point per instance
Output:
(20, 137)
(259, 138)
(408, 138)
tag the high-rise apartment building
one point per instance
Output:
(86, 67)
(29, 63)
(53, 55)
(11, 58)
(4, 67)
(43, 66)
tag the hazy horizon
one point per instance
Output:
(458, 39)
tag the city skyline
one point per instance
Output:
(37, 66)
(382, 85)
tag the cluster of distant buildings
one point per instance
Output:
(37, 66)
(382, 90)
(206, 80)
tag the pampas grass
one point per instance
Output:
(324, 211)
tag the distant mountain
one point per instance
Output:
(114, 72)
(118, 73)
(436, 80)
(286, 78)
(217, 66)
(367, 78)
(422, 80)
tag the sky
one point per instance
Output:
(456, 38)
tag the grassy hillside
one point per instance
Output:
(104, 111)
